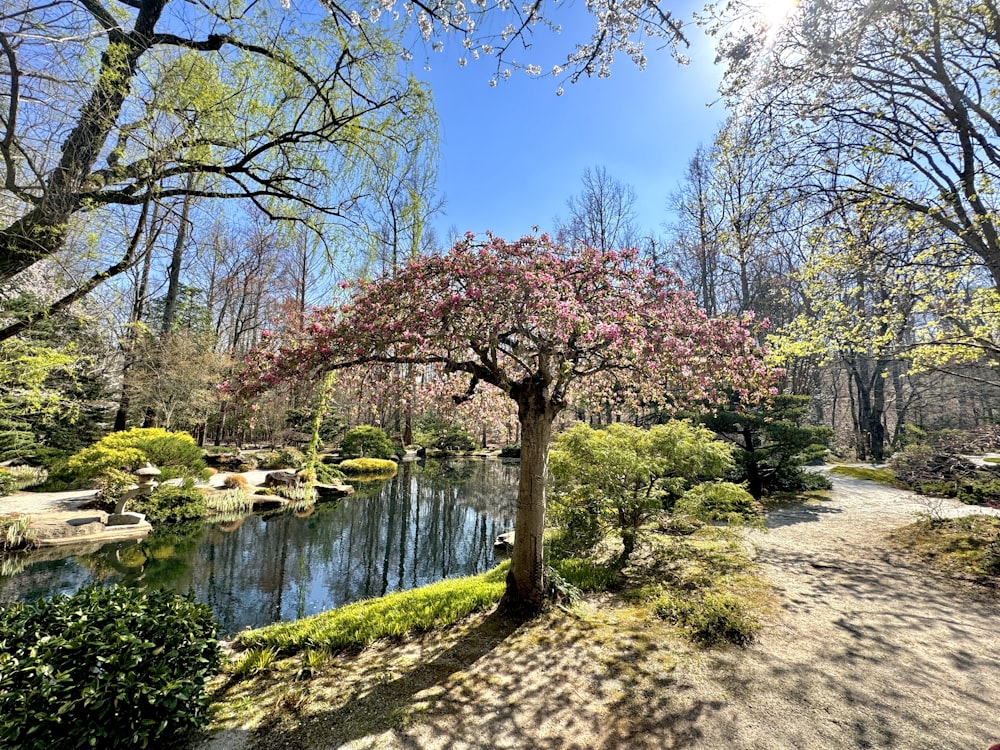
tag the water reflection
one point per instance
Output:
(425, 524)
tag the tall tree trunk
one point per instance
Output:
(176, 258)
(525, 594)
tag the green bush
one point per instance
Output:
(375, 466)
(175, 454)
(719, 501)
(366, 441)
(982, 492)
(106, 668)
(283, 458)
(170, 504)
(7, 482)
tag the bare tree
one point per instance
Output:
(602, 215)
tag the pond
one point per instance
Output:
(427, 523)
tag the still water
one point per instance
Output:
(427, 523)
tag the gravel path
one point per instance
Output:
(870, 650)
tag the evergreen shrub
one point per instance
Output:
(283, 458)
(175, 454)
(105, 668)
(170, 504)
(7, 482)
(367, 441)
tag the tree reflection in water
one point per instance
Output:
(426, 523)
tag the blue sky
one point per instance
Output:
(512, 155)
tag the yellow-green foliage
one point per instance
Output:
(885, 476)
(376, 466)
(173, 453)
(235, 500)
(392, 616)
(710, 617)
(720, 501)
(587, 575)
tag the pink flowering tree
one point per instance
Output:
(542, 324)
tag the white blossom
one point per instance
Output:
(425, 25)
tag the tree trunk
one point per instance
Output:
(176, 259)
(755, 484)
(525, 594)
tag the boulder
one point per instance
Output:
(282, 478)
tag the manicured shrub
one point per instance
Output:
(170, 504)
(366, 441)
(105, 668)
(377, 466)
(235, 482)
(175, 454)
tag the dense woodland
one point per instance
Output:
(169, 200)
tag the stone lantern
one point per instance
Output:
(145, 483)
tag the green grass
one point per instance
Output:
(885, 476)
(992, 460)
(392, 616)
(587, 575)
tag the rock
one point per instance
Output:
(281, 478)
(505, 541)
(124, 519)
(332, 491)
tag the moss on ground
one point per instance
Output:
(885, 476)
(968, 547)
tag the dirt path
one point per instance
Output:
(866, 650)
(870, 650)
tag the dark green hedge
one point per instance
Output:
(104, 668)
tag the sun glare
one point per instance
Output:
(775, 13)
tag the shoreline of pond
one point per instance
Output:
(427, 523)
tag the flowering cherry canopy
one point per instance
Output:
(530, 314)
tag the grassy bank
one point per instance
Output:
(381, 665)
